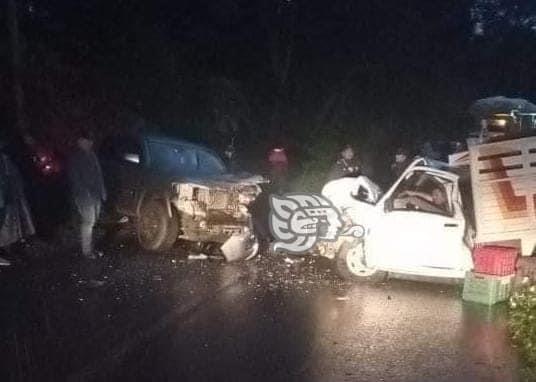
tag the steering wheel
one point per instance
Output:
(412, 207)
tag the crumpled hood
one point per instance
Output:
(223, 181)
(340, 193)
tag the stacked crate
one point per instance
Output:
(491, 280)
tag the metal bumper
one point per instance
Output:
(243, 246)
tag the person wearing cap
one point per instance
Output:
(402, 161)
(347, 165)
(87, 190)
(16, 221)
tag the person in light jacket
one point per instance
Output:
(87, 190)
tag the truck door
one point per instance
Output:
(125, 173)
(422, 225)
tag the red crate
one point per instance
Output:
(495, 260)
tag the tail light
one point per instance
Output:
(46, 163)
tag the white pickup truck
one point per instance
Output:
(423, 226)
(405, 230)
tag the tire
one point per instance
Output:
(349, 263)
(253, 249)
(156, 230)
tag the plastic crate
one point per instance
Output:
(495, 260)
(486, 289)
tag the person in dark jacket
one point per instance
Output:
(347, 165)
(87, 190)
(278, 167)
(230, 158)
(41, 166)
(401, 163)
(16, 221)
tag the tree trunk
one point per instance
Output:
(18, 94)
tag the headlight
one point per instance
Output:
(247, 194)
(246, 199)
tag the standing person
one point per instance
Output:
(346, 165)
(278, 164)
(428, 151)
(88, 190)
(3, 262)
(15, 218)
(41, 167)
(402, 161)
(230, 158)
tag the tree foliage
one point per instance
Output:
(389, 72)
(522, 322)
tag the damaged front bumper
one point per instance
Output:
(329, 249)
(243, 246)
(217, 212)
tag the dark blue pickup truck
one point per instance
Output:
(175, 189)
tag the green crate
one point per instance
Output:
(486, 289)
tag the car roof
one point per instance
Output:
(160, 138)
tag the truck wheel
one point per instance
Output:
(156, 230)
(252, 249)
(349, 263)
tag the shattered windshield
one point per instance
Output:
(184, 160)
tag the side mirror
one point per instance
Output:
(132, 158)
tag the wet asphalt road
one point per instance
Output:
(138, 316)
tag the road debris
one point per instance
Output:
(123, 220)
(200, 256)
(96, 283)
(4, 262)
(296, 260)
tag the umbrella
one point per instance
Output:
(487, 107)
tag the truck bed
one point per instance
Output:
(503, 180)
